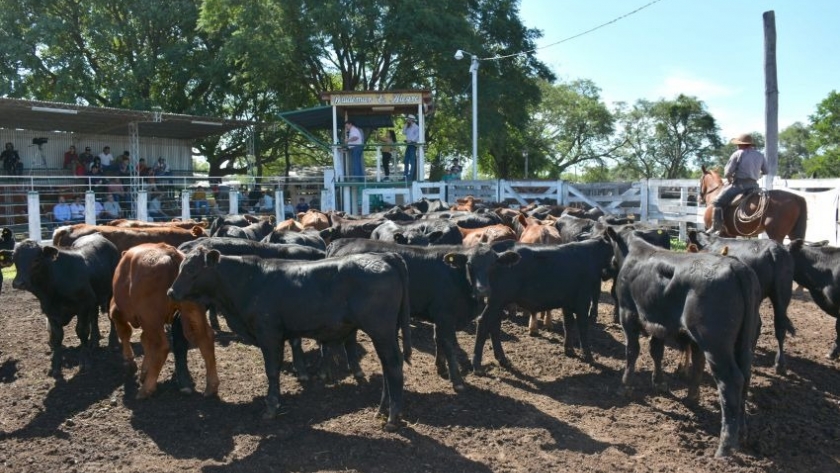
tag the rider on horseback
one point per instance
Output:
(744, 168)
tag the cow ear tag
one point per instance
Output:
(659, 232)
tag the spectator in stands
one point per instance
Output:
(288, 210)
(156, 209)
(161, 168)
(116, 188)
(254, 197)
(97, 161)
(86, 158)
(71, 157)
(199, 198)
(315, 203)
(106, 159)
(61, 211)
(111, 209)
(124, 165)
(302, 206)
(77, 210)
(266, 203)
(11, 160)
(142, 168)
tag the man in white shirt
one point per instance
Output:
(106, 158)
(61, 211)
(77, 210)
(266, 202)
(111, 209)
(355, 141)
(412, 136)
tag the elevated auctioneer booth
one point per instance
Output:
(370, 111)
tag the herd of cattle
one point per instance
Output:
(325, 276)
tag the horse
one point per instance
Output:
(776, 212)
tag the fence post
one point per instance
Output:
(90, 208)
(143, 205)
(33, 205)
(185, 205)
(644, 198)
(233, 199)
(279, 206)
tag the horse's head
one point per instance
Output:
(710, 184)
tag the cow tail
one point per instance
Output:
(405, 310)
(798, 231)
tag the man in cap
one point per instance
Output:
(743, 169)
(412, 136)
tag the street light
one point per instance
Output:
(459, 54)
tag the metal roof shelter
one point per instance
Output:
(368, 110)
(55, 116)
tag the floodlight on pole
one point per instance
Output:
(459, 54)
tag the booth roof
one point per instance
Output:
(63, 117)
(321, 118)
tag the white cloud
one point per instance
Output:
(684, 83)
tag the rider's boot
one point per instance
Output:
(717, 221)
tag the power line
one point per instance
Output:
(521, 53)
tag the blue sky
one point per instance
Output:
(711, 49)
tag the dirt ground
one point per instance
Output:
(549, 413)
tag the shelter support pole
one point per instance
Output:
(33, 206)
(771, 91)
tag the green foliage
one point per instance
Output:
(678, 245)
(793, 151)
(665, 139)
(824, 141)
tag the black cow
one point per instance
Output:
(231, 219)
(69, 282)
(255, 231)
(817, 268)
(346, 227)
(269, 301)
(774, 267)
(445, 284)
(703, 301)
(546, 277)
(573, 228)
(310, 238)
(425, 205)
(419, 233)
(7, 239)
(241, 247)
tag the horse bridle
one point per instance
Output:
(703, 193)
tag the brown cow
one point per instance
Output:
(466, 204)
(489, 234)
(141, 280)
(125, 238)
(314, 219)
(290, 225)
(535, 231)
(127, 223)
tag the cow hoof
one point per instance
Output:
(391, 427)
(534, 333)
(54, 373)
(570, 352)
(359, 376)
(142, 394)
(459, 388)
(269, 414)
(692, 398)
(626, 391)
(834, 354)
(587, 357)
(781, 370)
(443, 372)
(303, 378)
(186, 390)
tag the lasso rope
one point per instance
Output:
(741, 215)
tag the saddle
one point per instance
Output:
(743, 196)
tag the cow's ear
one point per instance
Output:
(327, 234)
(692, 248)
(508, 258)
(456, 260)
(212, 257)
(197, 231)
(400, 238)
(272, 219)
(51, 252)
(796, 245)
(724, 251)
(610, 233)
(6, 258)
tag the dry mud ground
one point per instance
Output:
(549, 413)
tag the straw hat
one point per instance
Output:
(745, 139)
(411, 117)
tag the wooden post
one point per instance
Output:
(771, 91)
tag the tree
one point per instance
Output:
(824, 142)
(666, 138)
(793, 150)
(571, 126)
